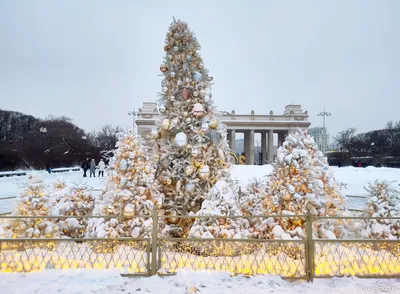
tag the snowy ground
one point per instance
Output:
(109, 281)
(353, 178)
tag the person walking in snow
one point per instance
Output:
(85, 166)
(93, 168)
(101, 167)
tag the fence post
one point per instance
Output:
(309, 248)
(154, 236)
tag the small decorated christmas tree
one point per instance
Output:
(58, 190)
(384, 201)
(78, 201)
(33, 201)
(220, 201)
(132, 192)
(300, 183)
(253, 197)
(193, 152)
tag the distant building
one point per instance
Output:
(321, 137)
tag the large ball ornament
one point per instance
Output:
(195, 152)
(197, 77)
(204, 172)
(123, 181)
(213, 124)
(190, 187)
(180, 140)
(185, 93)
(204, 127)
(123, 165)
(198, 110)
(185, 114)
(165, 124)
(163, 67)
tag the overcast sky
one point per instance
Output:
(95, 60)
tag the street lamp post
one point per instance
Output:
(43, 131)
(133, 113)
(324, 114)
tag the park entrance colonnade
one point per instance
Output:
(248, 124)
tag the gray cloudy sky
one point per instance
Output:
(95, 60)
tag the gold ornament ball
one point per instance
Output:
(213, 124)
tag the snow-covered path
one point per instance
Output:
(109, 281)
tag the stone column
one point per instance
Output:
(281, 138)
(246, 145)
(270, 145)
(232, 142)
(264, 147)
(251, 148)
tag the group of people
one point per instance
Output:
(90, 165)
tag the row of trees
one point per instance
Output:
(377, 144)
(29, 142)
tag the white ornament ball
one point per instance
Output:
(123, 165)
(195, 94)
(188, 57)
(190, 186)
(170, 57)
(165, 124)
(176, 49)
(180, 140)
(172, 74)
(204, 172)
(165, 89)
(179, 82)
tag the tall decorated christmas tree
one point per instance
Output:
(131, 192)
(300, 183)
(193, 152)
(384, 201)
(33, 201)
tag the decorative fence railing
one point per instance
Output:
(306, 258)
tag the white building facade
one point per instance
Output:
(321, 137)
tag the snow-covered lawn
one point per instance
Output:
(354, 178)
(109, 281)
